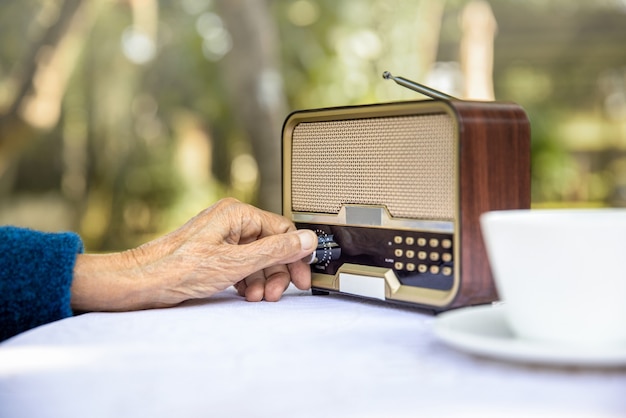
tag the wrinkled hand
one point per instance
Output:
(230, 243)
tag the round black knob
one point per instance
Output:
(327, 249)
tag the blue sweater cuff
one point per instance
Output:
(36, 270)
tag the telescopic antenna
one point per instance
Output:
(426, 91)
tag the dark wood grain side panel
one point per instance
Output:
(494, 174)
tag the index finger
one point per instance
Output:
(257, 223)
(300, 273)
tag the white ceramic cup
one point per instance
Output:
(561, 273)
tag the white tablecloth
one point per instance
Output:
(305, 356)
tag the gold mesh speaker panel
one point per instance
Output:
(406, 163)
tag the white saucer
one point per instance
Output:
(483, 331)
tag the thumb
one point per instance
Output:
(280, 249)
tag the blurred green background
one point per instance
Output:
(120, 119)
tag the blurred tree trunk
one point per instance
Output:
(251, 73)
(479, 31)
(41, 78)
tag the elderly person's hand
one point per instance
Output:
(228, 244)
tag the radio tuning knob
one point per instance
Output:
(327, 250)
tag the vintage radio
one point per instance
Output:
(394, 192)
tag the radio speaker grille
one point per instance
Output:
(405, 163)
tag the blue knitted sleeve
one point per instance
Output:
(36, 271)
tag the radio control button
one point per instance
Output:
(398, 252)
(447, 271)
(410, 253)
(421, 242)
(446, 257)
(422, 268)
(409, 240)
(434, 242)
(434, 269)
(434, 256)
(422, 255)
(410, 267)
(398, 266)
(397, 239)
(446, 243)
(327, 250)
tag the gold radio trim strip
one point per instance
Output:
(386, 220)
(395, 291)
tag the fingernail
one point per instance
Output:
(308, 242)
